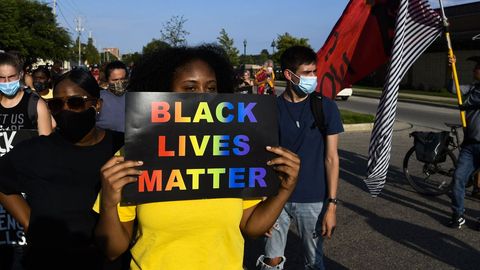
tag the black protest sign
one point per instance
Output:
(197, 146)
(11, 232)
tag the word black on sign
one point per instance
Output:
(197, 146)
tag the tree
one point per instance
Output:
(264, 56)
(227, 44)
(91, 53)
(173, 31)
(29, 27)
(286, 41)
(131, 58)
(154, 45)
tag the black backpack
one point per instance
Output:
(32, 105)
(316, 104)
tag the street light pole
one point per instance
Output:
(273, 46)
(244, 47)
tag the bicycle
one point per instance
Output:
(435, 176)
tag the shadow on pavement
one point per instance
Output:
(446, 248)
(430, 242)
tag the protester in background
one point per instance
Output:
(265, 79)
(246, 85)
(112, 115)
(189, 234)
(95, 70)
(60, 175)
(14, 102)
(312, 206)
(57, 70)
(247, 80)
(42, 82)
(469, 157)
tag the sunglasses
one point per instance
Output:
(74, 103)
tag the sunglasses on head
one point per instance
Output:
(74, 103)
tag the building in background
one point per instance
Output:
(111, 51)
(431, 72)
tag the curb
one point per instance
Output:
(358, 127)
(398, 126)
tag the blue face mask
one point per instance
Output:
(10, 88)
(306, 85)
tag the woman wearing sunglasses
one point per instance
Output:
(60, 175)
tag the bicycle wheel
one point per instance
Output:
(429, 178)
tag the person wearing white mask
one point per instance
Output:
(312, 205)
(14, 101)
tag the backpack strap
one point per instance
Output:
(32, 106)
(316, 104)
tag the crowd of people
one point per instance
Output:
(64, 186)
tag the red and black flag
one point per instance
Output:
(360, 43)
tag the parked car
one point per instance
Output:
(345, 93)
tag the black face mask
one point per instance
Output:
(73, 126)
(39, 87)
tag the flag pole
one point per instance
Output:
(454, 66)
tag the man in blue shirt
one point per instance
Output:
(112, 115)
(312, 206)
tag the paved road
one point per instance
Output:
(418, 114)
(398, 230)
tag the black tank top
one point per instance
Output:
(16, 118)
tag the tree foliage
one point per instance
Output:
(264, 56)
(91, 53)
(74, 52)
(131, 58)
(154, 45)
(29, 27)
(286, 41)
(227, 44)
(173, 31)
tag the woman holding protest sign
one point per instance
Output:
(59, 175)
(188, 234)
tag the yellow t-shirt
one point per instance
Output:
(192, 234)
(47, 95)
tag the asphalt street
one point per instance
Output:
(400, 229)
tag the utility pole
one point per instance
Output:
(79, 30)
(55, 9)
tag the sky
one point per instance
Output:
(129, 25)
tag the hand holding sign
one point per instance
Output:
(115, 174)
(287, 166)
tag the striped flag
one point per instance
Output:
(416, 27)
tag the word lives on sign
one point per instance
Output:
(198, 146)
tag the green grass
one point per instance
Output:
(349, 117)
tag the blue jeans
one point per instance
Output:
(308, 220)
(468, 162)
